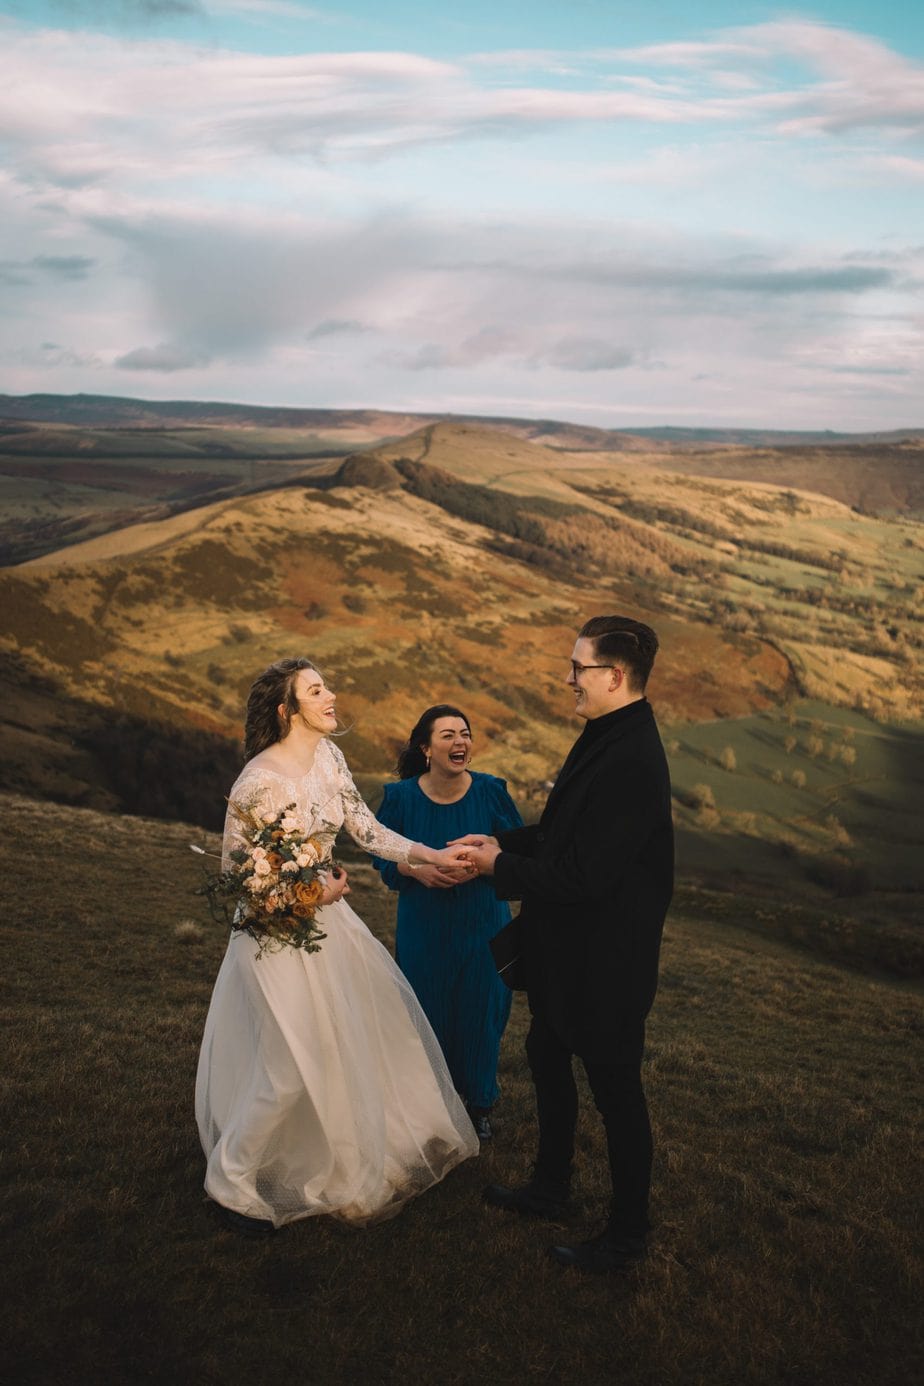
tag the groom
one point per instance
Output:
(595, 876)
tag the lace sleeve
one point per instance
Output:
(359, 821)
(249, 789)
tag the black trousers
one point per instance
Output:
(620, 1100)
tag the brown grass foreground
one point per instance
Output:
(781, 1089)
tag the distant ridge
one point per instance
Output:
(113, 411)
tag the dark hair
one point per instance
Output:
(276, 685)
(411, 759)
(625, 642)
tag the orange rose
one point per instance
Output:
(308, 893)
(274, 859)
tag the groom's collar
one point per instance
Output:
(600, 726)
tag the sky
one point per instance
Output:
(613, 213)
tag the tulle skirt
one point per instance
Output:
(321, 1087)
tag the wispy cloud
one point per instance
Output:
(45, 266)
(164, 358)
(278, 9)
(305, 217)
(84, 107)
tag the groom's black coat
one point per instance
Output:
(595, 876)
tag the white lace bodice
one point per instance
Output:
(326, 800)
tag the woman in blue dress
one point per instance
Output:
(445, 919)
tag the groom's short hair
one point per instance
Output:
(625, 642)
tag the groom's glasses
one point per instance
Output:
(578, 669)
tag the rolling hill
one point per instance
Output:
(455, 562)
(75, 466)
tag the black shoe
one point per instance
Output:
(247, 1227)
(540, 1198)
(482, 1124)
(602, 1255)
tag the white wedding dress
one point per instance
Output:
(321, 1087)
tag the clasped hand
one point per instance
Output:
(440, 877)
(481, 851)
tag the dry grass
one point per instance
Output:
(782, 1091)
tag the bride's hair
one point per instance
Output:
(274, 687)
(411, 758)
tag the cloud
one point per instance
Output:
(865, 84)
(440, 295)
(64, 266)
(165, 358)
(681, 268)
(313, 218)
(87, 107)
(889, 166)
(235, 285)
(589, 354)
(58, 267)
(487, 344)
(335, 327)
(730, 278)
(13, 272)
(51, 355)
(283, 9)
(870, 370)
(115, 12)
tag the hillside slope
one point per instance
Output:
(840, 594)
(402, 602)
(73, 467)
(782, 1097)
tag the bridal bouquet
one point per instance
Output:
(274, 887)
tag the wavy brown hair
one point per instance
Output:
(274, 687)
(411, 758)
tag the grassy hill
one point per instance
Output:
(782, 1091)
(838, 593)
(400, 599)
(72, 467)
(456, 563)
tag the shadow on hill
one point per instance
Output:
(75, 752)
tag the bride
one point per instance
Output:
(321, 1087)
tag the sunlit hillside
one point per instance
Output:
(455, 564)
(838, 593)
(400, 601)
(72, 467)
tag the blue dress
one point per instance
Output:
(442, 938)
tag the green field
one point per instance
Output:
(817, 809)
